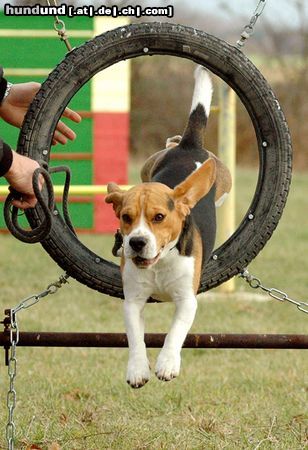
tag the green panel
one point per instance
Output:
(2, 224)
(38, 52)
(82, 99)
(82, 143)
(9, 133)
(21, 220)
(84, 140)
(46, 53)
(43, 53)
(81, 172)
(81, 215)
(44, 22)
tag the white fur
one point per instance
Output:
(171, 278)
(203, 90)
(141, 230)
(198, 165)
(221, 200)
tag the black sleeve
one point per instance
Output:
(6, 155)
(3, 85)
(6, 158)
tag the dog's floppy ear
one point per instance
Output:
(195, 186)
(115, 196)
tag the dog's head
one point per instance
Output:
(152, 215)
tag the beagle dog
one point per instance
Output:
(168, 225)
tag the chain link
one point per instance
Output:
(255, 283)
(249, 28)
(12, 363)
(11, 395)
(60, 28)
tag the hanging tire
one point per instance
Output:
(231, 65)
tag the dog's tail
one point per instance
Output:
(200, 109)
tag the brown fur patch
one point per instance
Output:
(223, 178)
(197, 252)
(151, 164)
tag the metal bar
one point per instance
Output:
(253, 341)
(76, 189)
(12, 33)
(76, 156)
(76, 198)
(19, 72)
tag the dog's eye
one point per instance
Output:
(127, 218)
(158, 218)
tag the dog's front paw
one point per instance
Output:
(168, 365)
(138, 372)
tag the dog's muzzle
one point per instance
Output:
(137, 244)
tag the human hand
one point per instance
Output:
(19, 176)
(16, 104)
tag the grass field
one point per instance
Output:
(223, 399)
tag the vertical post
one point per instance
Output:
(227, 154)
(110, 104)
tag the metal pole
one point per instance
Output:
(13, 33)
(76, 189)
(256, 341)
(227, 154)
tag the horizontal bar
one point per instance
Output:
(19, 72)
(76, 156)
(253, 341)
(86, 114)
(12, 33)
(76, 189)
(76, 199)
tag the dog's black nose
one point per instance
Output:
(137, 243)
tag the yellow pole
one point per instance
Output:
(13, 72)
(227, 154)
(76, 189)
(16, 33)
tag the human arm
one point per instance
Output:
(15, 101)
(18, 171)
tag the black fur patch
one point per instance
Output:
(170, 204)
(193, 136)
(186, 241)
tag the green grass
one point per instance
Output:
(223, 399)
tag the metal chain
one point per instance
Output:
(255, 283)
(12, 363)
(249, 28)
(59, 26)
(11, 395)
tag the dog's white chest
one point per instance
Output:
(169, 279)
